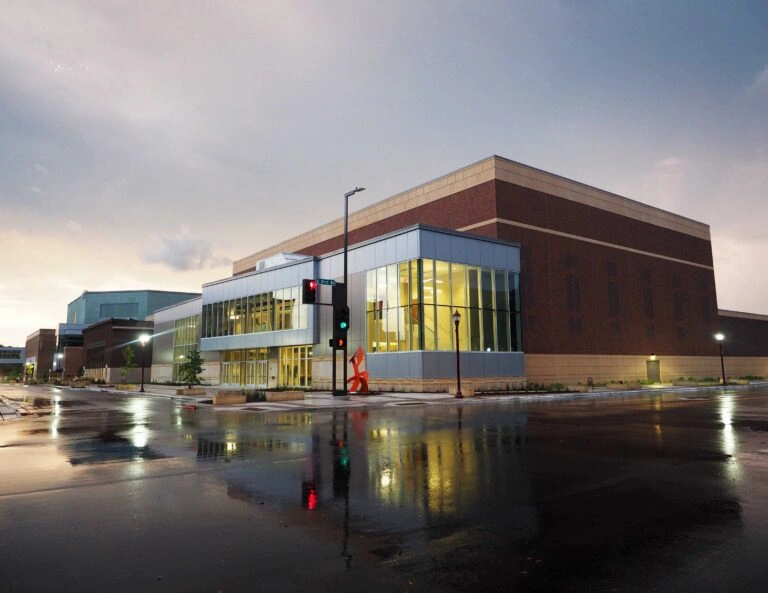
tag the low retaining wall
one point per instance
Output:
(224, 397)
(283, 396)
(193, 391)
(466, 390)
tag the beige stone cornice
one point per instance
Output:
(494, 167)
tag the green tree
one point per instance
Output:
(129, 358)
(190, 370)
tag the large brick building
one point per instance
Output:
(39, 354)
(104, 350)
(606, 281)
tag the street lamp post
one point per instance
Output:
(456, 319)
(346, 288)
(143, 339)
(720, 337)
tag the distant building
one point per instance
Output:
(91, 307)
(104, 350)
(39, 352)
(11, 363)
(177, 332)
(68, 358)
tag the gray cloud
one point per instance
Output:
(251, 119)
(183, 251)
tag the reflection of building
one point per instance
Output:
(406, 469)
(39, 354)
(105, 344)
(107, 448)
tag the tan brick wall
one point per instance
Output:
(572, 368)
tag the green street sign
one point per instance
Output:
(326, 282)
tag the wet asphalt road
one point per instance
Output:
(646, 492)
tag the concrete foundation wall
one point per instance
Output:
(575, 368)
(162, 373)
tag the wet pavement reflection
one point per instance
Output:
(661, 491)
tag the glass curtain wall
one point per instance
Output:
(245, 367)
(410, 305)
(184, 340)
(295, 366)
(250, 368)
(276, 310)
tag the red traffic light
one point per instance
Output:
(340, 343)
(309, 291)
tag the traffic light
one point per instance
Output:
(309, 291)
(341, 320)
(340, 326)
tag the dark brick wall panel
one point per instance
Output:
(744, 337)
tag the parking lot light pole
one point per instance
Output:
(720, 337)
(346, 286)
(456, 319)
(143, 339)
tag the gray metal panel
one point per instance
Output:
(381, 255)
(474, 253)
(442, 365)
(404, 364)
(285, 276)
(376, 365)
(476, 364)
(486, 254)
(490, 366)
(459, 249)
(499, 256)
(291, 337)
(414, 251)
(401, 242)
(427, 250)
(415, 361)
(443, 247)
(430, 366)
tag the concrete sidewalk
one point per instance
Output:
(313, 400)
(11, 410)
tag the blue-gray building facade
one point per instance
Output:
(92, 307)
(403, 291)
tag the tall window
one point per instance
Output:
(184, 340)
(277, 310)
(410, 305)
(296, 366)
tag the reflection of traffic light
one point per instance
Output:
(341, 469)
(308, 291)
(309, 495)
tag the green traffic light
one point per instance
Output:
(343, 325)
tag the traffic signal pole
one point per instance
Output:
(346, 247)
(338, 298)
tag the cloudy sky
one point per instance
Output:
(146, 144)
